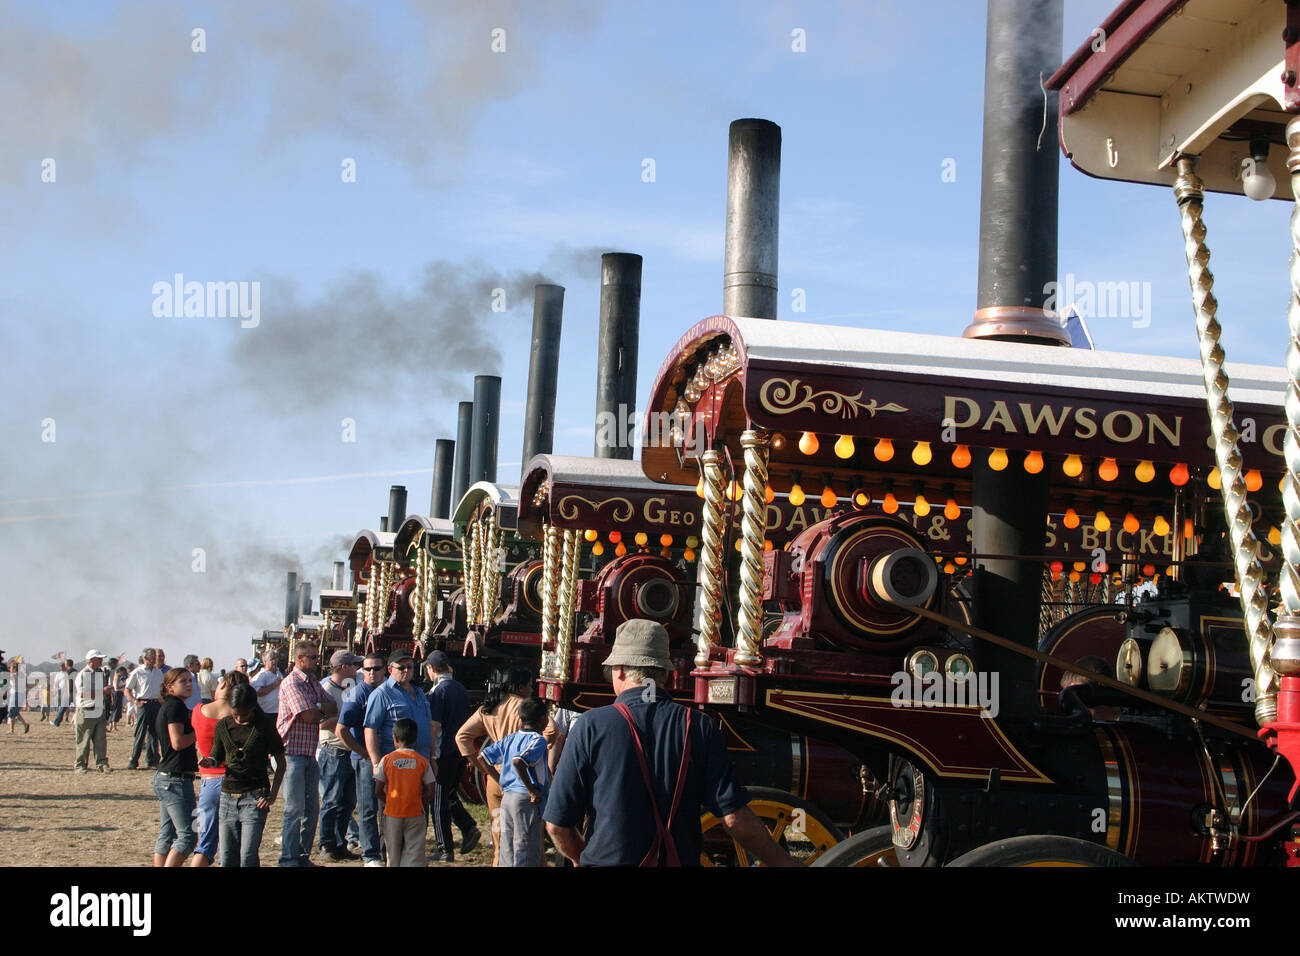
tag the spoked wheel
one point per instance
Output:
(796, 825)
(871, 848)
(1038, 850)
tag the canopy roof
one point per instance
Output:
(436, 535)
(504, 500)
(368, 546)
(1162, 78)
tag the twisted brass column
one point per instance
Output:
(550, 594)
(753, 531)
(491, 569)
(417, 596)
(1189, 191)
(470, 552)
(1289, 618)
(572, 550)
(711, 556)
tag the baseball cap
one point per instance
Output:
(94, 653)
(343, 658)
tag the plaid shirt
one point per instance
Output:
(299, 692)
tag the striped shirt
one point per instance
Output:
(299, 693)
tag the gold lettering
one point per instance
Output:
(1119, 541)
(1108, 426)
(773, 517)
(1149, 542)
(1050, 541)
(1001, 415)
(798, 520)
(1174, 437)
(1091, 537)
(1084, 417)
(1272, 441)
(654, 510)
(1033, 422)
(950, 410)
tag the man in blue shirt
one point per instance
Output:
(628, 770)
(396, 698)
(449, 708)
(351, 730)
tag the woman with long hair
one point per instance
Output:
(205, 718)
(173, 783)
(497, 719)
(245, 741)
(207, 681)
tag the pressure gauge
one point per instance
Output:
(922, 663)
(1128, 663)
(959, 667)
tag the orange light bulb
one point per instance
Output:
(621, 549)
(591, 534)
(1189, 529)
(1108, 470)
(1034, 462)
(615, 537)
(949, 568)
(952, 510)
(797, 497)
(808, 443)
(1179, 475)
(689, 554)
(1131, 523)
(828, 497)
(768, 494)
(890, 505)
(961, 456)
(1214, 480)
(1254, 480)
(884, 450)
(699, 488)
(1275, 536)
(1071, 518)
(1160, 526)
(767, 544)
(998, 459)
(861, 499)
(1145, 471)
(1101, 522)
(921, 453)
(666, 540)
(920, 507)
(1072, 466)
(597, 549)
(641, 538)
(844, 447)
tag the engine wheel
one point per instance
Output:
(1040, 850)
(796, 825)
(873, 847)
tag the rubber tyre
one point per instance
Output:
(1039, 850)
(869, 848)
(778, 810)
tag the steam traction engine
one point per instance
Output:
(1144, 757)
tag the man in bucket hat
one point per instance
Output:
(640, 770)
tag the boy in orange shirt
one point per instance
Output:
(404, 787)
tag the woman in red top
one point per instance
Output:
(205, 718)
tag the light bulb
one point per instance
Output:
(597, 549)
(998, 459)
(844, 447)
(699, 488)
(921, 453)
(767, 544)
(961, 456)
(1214, 480)
(949, 568)
(1071, 518)
(641, 538)
(689, 554)
(1149, 570)
(1145, 471)
(621, 549)
(1057, 568)
(736, 492)
(861, 499)
(591, 534)
(960, 559)
(1254, 480)
(1275, 536)
(890, 505)
(952, 510)
(768, 494)
(1079, 565)
(920, 507)
(797, 497)
(778, 441)
(1101, 522)
(1131, 523)
(1160, 526)
(1189, 529)
(1072, 466)
(1034, 462)
(1074, 577)
(666, 540)
(692, 542)
(738, 540)
(1257, 180)
(1108, 470)
(828, 497)
(615, 537)
(808, 444)
(884, 449)
(1179, 475)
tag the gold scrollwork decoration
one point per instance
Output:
(568, 508)
(782, 396)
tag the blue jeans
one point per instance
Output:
(241, 829)
(367, 807)
(209, 810)
(339, 783)
(301, 806)
(176, 814)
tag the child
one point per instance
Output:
(523, 779)
(404, 787)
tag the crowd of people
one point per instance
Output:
(366, 756)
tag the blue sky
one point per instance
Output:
(474, 169)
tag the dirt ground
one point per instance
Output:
(52, 816)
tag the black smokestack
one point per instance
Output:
(291, 599)
(464, 440)
(337, 583)
(383, 523)
(1017, 261)
(487, 424)
(543, 371)
(616, 351)
(444, 456)
(304, 592)
(396, 506)
(753, 217)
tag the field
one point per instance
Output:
(52, 816)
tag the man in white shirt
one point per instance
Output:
(91, 715)
(144, 689)
(267, 683)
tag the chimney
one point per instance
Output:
(1017, 260)
(304, 592)
(543, 371)
(396, 507)
(753, 213)
(291, 599)
(616, 351)
(487, 424)
(383, 523)
(464, 439)
(337, 583)
(444, 456)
